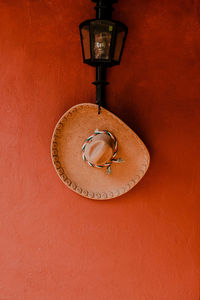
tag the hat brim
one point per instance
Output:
(78, 123)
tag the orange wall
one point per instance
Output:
(56, 245)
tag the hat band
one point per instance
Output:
(112, 160)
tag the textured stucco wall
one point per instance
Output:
(55, 244)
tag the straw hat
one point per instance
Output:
(97, 155)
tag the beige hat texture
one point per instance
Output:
(97, 155)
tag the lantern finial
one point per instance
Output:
(104, 9)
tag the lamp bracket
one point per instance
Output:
(100, 85)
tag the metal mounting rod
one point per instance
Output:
(104, 9)
(100, 85)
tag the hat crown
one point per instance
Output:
(99, 150)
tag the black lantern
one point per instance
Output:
(102, 41)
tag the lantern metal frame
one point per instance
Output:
(109, 62)
(103, 14)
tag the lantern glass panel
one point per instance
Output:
(85, 32)
(101, 38)
(120, 35)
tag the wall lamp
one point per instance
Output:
(103, 41)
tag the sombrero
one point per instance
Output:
(97, 155)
